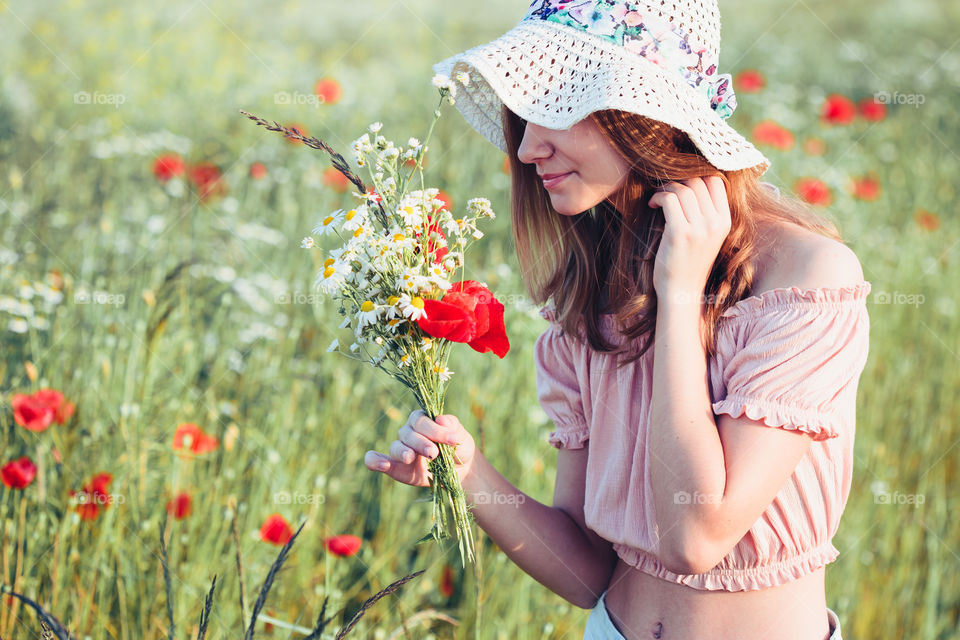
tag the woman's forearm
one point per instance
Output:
(688, 473)
(544, 541)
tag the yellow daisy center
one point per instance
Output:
(367, 306)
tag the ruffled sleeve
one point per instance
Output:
(792, 358)
(558, 388)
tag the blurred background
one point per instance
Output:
(151, 272)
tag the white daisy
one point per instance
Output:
(442, 372)
(404, 361)
(329, 223)
(367, 314)
(307, 243)
(412, 307)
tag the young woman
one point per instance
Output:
(705, 341)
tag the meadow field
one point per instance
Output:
(156, 295)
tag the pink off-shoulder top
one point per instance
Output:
(790, 358)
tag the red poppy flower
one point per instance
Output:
(814, 146)
(749, 81)
(18, 474)
(328, 90)
(344, 545)
(93, 496)
(167, 166)
(258, 170)
(181, 506)
(436, 240)
(771, 133)
(927, 220)
(39, 410)
(838, 109)
(335, 180)
(192, 438)
(505, 167)
(813, 191)
(446, 581)
(299, 128)
(373, 196)
(467, 313)
(866, 188)
(208, 180)
(872, 110)
(276, 530)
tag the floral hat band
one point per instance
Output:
(661, 41)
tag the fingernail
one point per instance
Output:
(433, 452)
(382, 466)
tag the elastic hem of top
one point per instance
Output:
(819, 426)
(746, 579)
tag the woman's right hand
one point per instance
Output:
(412, 452)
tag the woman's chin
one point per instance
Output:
(565, 207)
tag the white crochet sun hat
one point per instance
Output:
(567, 59)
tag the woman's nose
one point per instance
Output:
(535, 145)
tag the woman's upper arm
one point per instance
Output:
(570, 490)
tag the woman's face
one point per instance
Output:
(579, 168)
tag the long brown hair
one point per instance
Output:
(580, 260)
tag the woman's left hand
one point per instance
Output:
(697, 219)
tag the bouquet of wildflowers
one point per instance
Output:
(395, 278)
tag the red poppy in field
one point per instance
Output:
(258, 171)
(93, 496)
(180, 506)
(813, 191)
(191, 437)
(328, 90)
(505, 167)
(276, 530)
(167, 166)
(467, 313)
(448, 201)
(865, 188)
(300, 129)
(344, 545)
(771, 133)
(814, 146)
(335, 180)
(749, 81)
(872, 110)
(838, 109)
(18, 474)
(39, 410)
(410, 163)
(207, 179)
(927, 220)
(446, 581)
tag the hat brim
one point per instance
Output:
(554, 76)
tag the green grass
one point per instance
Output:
(77, 196)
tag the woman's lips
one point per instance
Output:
(551, 180)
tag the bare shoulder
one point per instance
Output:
(798, 257)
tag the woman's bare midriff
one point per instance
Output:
(643, 607)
